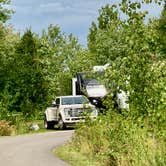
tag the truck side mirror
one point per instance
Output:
(54, 104)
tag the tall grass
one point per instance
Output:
(16, 124)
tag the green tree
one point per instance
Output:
(62, 58)
(162, 31)
(105, 37)
(8, 41)
(27, 80)
(4, 12)
(51, 49)
(132, 49)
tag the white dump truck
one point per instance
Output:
(66, 111)
(89, 84)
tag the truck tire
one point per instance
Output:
(48, 125)
(61, 124)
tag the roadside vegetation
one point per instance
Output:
(114, 140)
(34, 69)
(135, 49)
(18, 125)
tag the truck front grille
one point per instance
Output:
(75, 112)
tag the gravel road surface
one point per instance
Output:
(33, 150)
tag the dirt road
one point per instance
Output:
(32, 150)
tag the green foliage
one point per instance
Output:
(8, 41)
(27, 82)
(38, 68)
(135, 136)
(162, 31)
(62, 58)
(133, 50)
(68, 153)
(116, 140)
(4, 12)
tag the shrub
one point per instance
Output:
(5, 128)
(119, 141)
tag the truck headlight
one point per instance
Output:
(68, 112)
(93, 112)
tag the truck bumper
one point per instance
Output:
(70, 124)
(72, 121)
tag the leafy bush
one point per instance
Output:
(119, 141)
(6, 129)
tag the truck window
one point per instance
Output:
(74, 100)
(80, 100)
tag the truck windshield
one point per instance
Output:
(91, 78)
(74, 100)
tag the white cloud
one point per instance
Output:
(53, 8)
(67, 8)
(50, 5)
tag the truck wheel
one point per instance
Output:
(48, 125)
(61, 124)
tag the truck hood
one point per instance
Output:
(96, 90)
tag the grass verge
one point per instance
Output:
(70, 155)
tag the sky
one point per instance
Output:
(72, 16)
